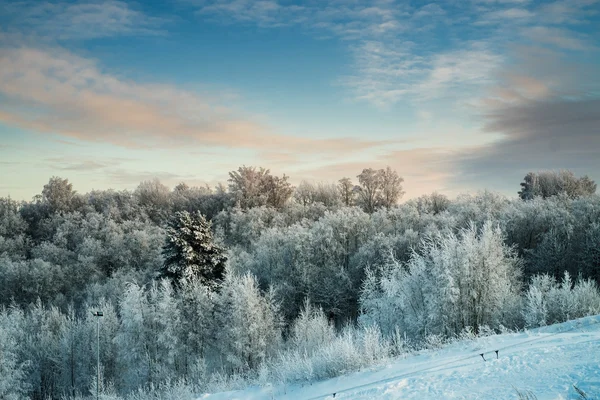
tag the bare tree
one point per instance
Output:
(253, 187)
(379, 188)
(346, 188)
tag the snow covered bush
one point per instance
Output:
(548, 301)
(311, 330)
(315, 351)
(450, 283)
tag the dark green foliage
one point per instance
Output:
(190, 251)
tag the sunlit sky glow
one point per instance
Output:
(456, 95)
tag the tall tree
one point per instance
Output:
(190, 251)
(347, 192)
(550, 183)
(248, 323)
(379, 188)
(253, 187)
(58, 193)
(370, 186)
(155, 198)
(391, 187)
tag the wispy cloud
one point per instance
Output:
(424, 170)
(561, 38)
(79, 20)
(130, 177)
(571, 12)
(58, 92)
(509, 13)
(546, 109)
(393, 43)
(70, 165)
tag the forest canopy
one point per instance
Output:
(202, 284)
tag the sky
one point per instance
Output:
(456, 96)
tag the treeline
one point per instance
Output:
(262, 280)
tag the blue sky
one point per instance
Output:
(454, 95)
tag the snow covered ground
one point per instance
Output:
(547, 361)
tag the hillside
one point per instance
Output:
(547, 361)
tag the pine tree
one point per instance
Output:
(190, 251)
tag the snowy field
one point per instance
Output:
(547, 361)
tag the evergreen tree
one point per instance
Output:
(190, 251)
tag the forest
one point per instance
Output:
(257, 281)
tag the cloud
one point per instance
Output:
(509, 13)
(81, 166)
(539, 135)
(546, 111)
(78, 20)
(55, 91)
(572, 12)
(386, 75)
(557, 37)
(424, 169)
(382, 36)
(129, 177)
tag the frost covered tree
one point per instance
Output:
(190, 251)
(195, 304)
(147, 340)
(379, 188)
(434, 203)
(58, 193)
(253, 187)
(549, 301)
(13, 385)
(452, 282)
(311, 330)
(347, 191)
(391, 187)
(308, 193)
(550, 183)
(369, 189)
(154, 198)
(248, 323)
(134, 341)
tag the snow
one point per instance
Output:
(547, 361)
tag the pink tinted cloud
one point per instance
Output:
(424, 170)
(58, 92)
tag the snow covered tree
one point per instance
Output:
(251, 188)
(58, 193)
(311, 330)
(379, 188)
(136, 355)
(40, 341)
(548, 301)
(195, 304)
(551, 183)
(451, 283)
(248, 323)
(347, 192)
(434, 203)
(391, 187)
(368, 191)
(190, 251)
(13, 385)
(154, 198)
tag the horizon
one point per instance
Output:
(457, 97)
